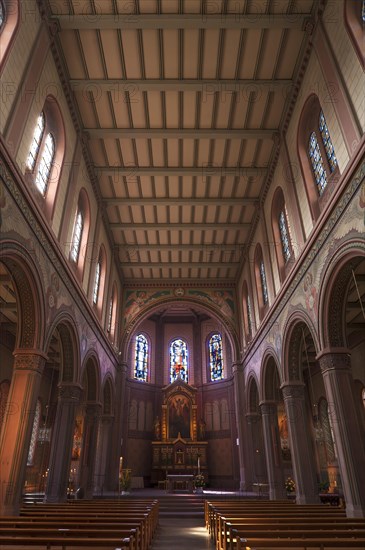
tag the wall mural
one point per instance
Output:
(136, 300)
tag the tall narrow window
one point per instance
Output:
(249, 316)
(363, 11)
(216, 357)
(141, 358)
(327, 142)
(178, 360)
(35, 429)
(110, 316)
(284, 236)
(319, 170)
(45, 164)
(2, 14)
(265, 296)
(96, 283)
(36, 141)
(76, 239)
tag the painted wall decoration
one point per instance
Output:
(136, 300)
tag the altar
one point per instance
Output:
(180, 481)
(179, 451)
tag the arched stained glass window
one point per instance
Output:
(178, 360)
(249, 315)
(141, 358)
(284, 236)
(265, 295)
(327, 142)
(216, 357)
(35, 429)
(96, 283)
(110, 315)
(2, 14)
(36, 142)
(363, 11)
(317, 163)
(45, 164)
(76, 240)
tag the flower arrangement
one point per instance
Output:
(125, 479)
(290, 485)
(199, 480)
(324, 486)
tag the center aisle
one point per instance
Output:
(181, 525)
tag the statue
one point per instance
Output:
(202, 426)
(157, 428)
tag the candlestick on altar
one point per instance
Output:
(120, 463)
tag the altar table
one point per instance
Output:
(186, 481)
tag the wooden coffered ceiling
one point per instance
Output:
(181, 103)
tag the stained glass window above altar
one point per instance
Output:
(141, 358)
(216, 357)
(178, 360)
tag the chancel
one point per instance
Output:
(182, 270)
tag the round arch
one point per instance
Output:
(333, 290)
(28, 290)
(253, 393)
(292, 342)
(70, 346)
(108, 395)
(269, 371)
(216, 313)
(90, 377)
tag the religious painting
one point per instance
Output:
(179, 417)
(283, 432)
(77, 439)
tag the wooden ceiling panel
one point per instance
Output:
(210, 53)
(72, 55)
(154, 101)
(110, 42)
(170, 53)
(131, 54)
(191, 45)
(181, 202)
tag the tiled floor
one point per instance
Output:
(182, 534)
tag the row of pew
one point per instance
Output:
(127, 524)
(281, 525)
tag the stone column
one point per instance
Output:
(112, 474)
(17, 426)
(197, 339)
(274, 463)
(255, 436)
(89, 446)
(102, 453)
(62, 440)
(301, 445)
(336, 370)
(246, 470)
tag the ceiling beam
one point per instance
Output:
(179, 226)
(192, 201)
(129, 21)
(179, 264)
(207, 87)
(8, 305)
(204, 171)
(129, 249)
(177, 133)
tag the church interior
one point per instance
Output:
(182, 269)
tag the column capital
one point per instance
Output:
(237, 367)
(92, 409)
(69, 391)
(253, 417)
(268, 407)
(29, 359)
(122, 367)
(331, 359)
(293, 389)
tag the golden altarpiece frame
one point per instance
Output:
(179, 446)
